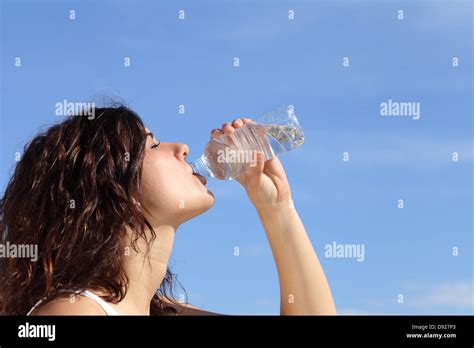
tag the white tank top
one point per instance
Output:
(108, 309)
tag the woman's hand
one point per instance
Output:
(301, 277)
(266, 183)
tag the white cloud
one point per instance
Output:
(457, 295)
(352, 311)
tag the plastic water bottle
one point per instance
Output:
(273, 133)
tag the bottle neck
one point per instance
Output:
(200, 167)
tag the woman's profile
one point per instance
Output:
(103, 198)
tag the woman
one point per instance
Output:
(103, 198)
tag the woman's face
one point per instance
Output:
(169, 192)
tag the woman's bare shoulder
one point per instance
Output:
(74, 305)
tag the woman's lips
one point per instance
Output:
(201, 178)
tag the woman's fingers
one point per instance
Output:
(237, 123)
(216, 132)
(255, 171)
(228, 128)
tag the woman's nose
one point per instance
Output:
(182, 151)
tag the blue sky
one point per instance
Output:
(408, 251)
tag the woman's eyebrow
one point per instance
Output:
(150, 134)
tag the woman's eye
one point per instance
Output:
(155, 145)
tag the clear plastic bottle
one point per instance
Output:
(272, 133)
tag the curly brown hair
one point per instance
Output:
(94, 166)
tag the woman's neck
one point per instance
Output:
(146, 272)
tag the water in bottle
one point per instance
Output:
(228, 156)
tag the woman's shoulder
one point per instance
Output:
(71, 305)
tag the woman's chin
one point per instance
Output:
(205, 203)
(197, 210)
(207, 197)
(210, 200)
(209, 192)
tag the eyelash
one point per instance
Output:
(155, 145)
